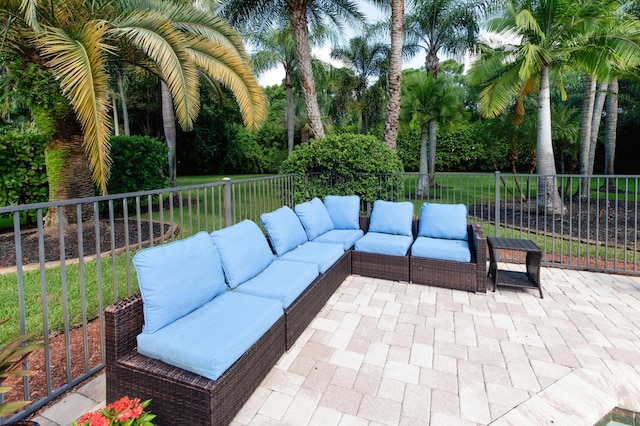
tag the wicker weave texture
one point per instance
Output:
(382, 266)
(455, 275)
(178, 396)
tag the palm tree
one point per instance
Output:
(276, 47)
(614, 36)
(367, 60)
(260, 15)
(73, 40)
(427, 102)
(545, 34)
(394, 76)
(443, 26)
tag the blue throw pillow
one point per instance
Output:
(448, 221)
(344, 210)
(244, 251)
(177, 278)
(284, 230)
(314, 218)
(389, 217)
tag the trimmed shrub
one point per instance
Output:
(140, 163)
(345, 164)
(23, 171)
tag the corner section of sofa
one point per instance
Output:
(179, 396)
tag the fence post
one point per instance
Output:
(497, 206)
(227, 201)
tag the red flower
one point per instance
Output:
(124, 410)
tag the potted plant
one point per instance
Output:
(123, 412)
(12, 355)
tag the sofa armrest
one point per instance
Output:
(479, 254)
(364, 222)
(123, 323)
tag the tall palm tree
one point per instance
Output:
(427, 102)
(546, 34)
(444, 26)
(368, 60)
(394, 76)
(276, 47)
(73, 40)
(260, 15)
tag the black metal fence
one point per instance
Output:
(57, 279)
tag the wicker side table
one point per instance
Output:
(528, 279)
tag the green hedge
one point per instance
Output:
(471, 147)
(140, 163)
(22, 167)
(345, 164)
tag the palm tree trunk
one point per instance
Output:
(585, 131)
(114, 107)
(123, 101)
(68, 172)
(291, 119)
(610, 128)
(298, 18)
(601, 95)
(548, 197)
(433, 136)
(423, 180)
(169, 125)
(394, 79)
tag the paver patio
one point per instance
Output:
(383, 352)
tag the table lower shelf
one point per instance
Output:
(516, 279)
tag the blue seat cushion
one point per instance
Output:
(346, 237)
(210, 339)
(284, 229)
(447, 221)
(314, 218)
(392, 245)
(390, 217)
(344, 210)
(177, 278)
(244, 251)
(282, 280)
(322, 254)
(439, 248)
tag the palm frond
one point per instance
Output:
(78, 63)
(28, 9)
(165, 45)
(224, 66)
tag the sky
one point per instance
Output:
(372, 13)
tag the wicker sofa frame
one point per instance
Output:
(469, 276)
(181, 397)
(381, 265)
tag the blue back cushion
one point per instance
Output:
(314, 218)
(284, 229)
(448, 221)
(389, 217)
(344, 210)
(244, 251)
(177, 278)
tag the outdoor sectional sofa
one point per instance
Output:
(216, 311)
